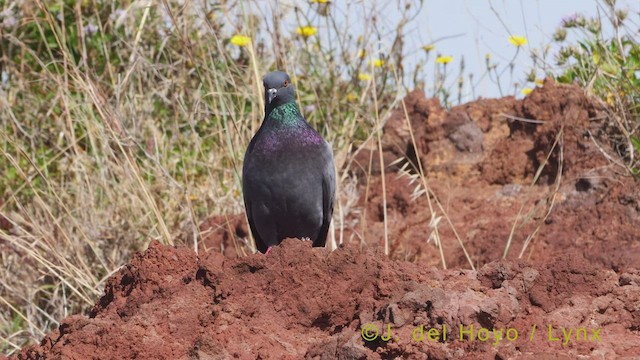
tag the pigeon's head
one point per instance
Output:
(277, 89)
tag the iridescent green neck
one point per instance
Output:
(286, 113)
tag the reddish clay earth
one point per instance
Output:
(575, 291)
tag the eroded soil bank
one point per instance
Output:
(167, 303)
(574, 291)
(481, 159)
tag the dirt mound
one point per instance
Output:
(534, 173)
(530, 173)
(168, 303)
(227, 234)
(481, 160)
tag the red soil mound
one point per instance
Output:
(299, 302)
(481, 159)
(580, 218)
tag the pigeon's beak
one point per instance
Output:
(271, 94)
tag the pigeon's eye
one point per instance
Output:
(286, 83)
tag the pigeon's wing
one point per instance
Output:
(328, 196)
(252, 225)
(248, 203)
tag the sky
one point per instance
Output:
(471, 29)
(484, 27)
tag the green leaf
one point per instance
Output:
(635, 142)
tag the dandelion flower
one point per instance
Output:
(364, 77)
(526, 91)
(240, 40)
(611, 100)
(377, 62)
(319, 1)
(444, 59)
(429, 47)
(306, 31)
(351, 97)
(518, 41)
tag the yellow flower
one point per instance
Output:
(362, 53)
(611, 100)
(429, 47)
(526, 91)
(320, 1)
(307, 31)
(444, 59)
(364, 77)
(487, 56)
(377, 62)
(240, 40)
(352, 97)
(518, 41)
(539, 82)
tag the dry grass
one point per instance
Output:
(127, 121)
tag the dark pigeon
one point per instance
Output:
(288, 177)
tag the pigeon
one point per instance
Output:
(288, 175)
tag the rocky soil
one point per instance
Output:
(539, 171)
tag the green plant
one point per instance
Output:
(121, 123)
(609, 68)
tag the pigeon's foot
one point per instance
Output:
(268, 249)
